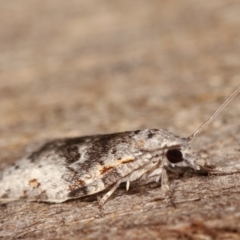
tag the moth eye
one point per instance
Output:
(174, 156)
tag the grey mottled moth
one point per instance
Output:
(71, 168)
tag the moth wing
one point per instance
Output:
(71, 168)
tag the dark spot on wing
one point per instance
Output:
(150, 135)
(70, 153)
(77, 140)
(111, 178)
(137, 131)
(114, 150)
(16, 167)
(79, 192)
(81, 182)
(77, 186)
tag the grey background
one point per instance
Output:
(70, 68)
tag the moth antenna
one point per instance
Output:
(191, 137)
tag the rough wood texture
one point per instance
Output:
(87, 67)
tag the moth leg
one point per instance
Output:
(158, 174)
(168, 194)
(127, 185)
(164, 182)
(109, 193)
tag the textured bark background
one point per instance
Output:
(70, 68)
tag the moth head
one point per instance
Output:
(183, 156)
(175, 150)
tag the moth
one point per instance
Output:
(71, 168)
